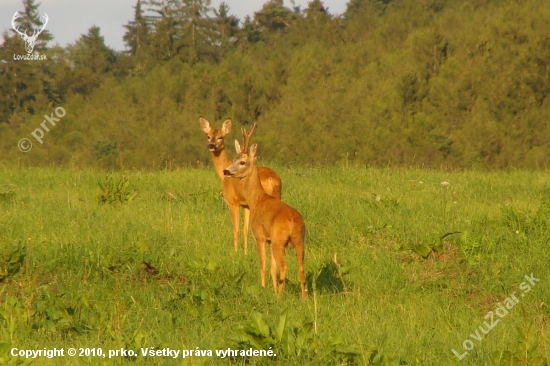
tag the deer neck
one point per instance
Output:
(221, 162)
(252, 187)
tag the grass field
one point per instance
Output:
(72, 271)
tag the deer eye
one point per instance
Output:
(220, 138)
(242, 163)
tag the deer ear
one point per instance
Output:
(226, 126)
(205, 125)
(253, 150)
(238, 147)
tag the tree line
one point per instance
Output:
(400, 82)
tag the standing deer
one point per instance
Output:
(29, 41)
(272, 220)
(231, 190)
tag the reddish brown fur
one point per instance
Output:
(231, 190)
(272, 221)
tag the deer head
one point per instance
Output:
(244, 162)
(246, 156)
(215, 136)
(29, 40)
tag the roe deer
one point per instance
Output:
(231, 190)
(272, 220)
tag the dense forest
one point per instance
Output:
(399, 82)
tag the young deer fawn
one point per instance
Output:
(231, 190)
(272, 220)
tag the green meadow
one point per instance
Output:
(401, 268)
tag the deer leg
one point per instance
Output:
(261, 240)
(298, 240)
(234, 211)
(278, 260)
(273, 269)
(245, 228)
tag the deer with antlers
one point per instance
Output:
(29, 40)
(272, 220)
(231, 190)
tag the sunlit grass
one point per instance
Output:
(83, 282)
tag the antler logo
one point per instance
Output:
(29, 40)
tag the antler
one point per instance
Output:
(25, 36)
(15, 27)
(246, 137)
(36, 32)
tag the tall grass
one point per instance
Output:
(160, 271)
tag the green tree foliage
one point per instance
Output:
(316, 13)
(250, 32)
(198, 30)
(136, 32)
(432, 82)
(164, 38)
(182, 28)
(92, 59)
(226, 30)
(274, 18)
